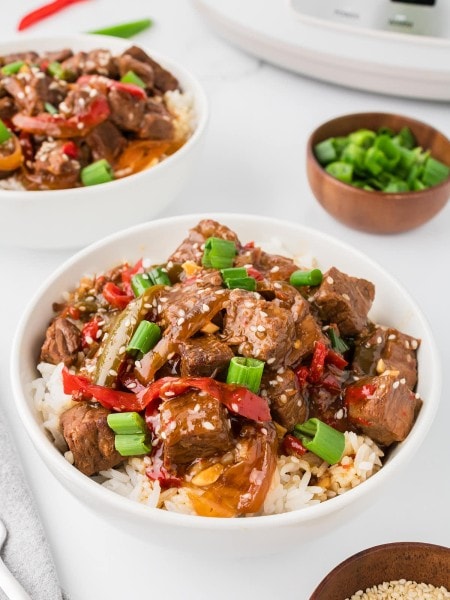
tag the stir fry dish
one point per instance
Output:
(227, 381)
(77, 119)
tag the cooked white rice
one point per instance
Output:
(402, 589)
(290, 488)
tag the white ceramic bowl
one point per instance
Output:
(244, 536)
(73, 218)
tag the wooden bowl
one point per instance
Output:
(377, 212)
(413, 561)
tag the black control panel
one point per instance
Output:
(419, 2)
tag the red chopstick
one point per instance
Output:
(44, 11)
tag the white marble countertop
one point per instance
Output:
(253, 162)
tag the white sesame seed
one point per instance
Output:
(330, 280)
(271, 360)
(395, 384)
(205, 308)
(234, 407)
(275, 269)
(346, 296)
(208, 425)
(261, 328)
(112, 372)
(180, 321)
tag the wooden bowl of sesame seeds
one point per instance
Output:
(408, 569)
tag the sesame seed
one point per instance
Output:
(330, 280)
(264, 431)
(261, 328)
(339, 414)
(275, 269)
(402, 380)
(181, 312)
(137, 364)
(414, 344)
(80, 125)
(112, 372)
(234, 407)
(180, 321)
(205, 308)
(271, 360)
(395, 384)
(89, 340)
(132, 385)
(392, 337)
(346, 296)
(207, 425)
(277, 285)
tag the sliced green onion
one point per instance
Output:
(405, 138)
(434, 172)
(56, 70)
(337, 342)
(362, 137)
(341, 170)
(246, 372)
(243, 283)
(219, 253)
(354, 155)
(124, 30)
(50, 108)
(396, 187)
(312, 277)
(97, 172)
(133, 444)
(375, 160)
(131, 77)
(5, 133)
(12, 68)
(234, 273)
(126, 423)
(146, 336)
(159, 276)
(321, 439)
(389, 149)
(140, 282)
(325, 151)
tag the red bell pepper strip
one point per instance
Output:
(128, 273)
(89, 332)
(58, 126)
(47, 10)
(115, 296)
(237, 399)
(107, 397)
(129, 88)
(70, 149)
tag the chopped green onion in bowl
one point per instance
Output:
(382, 160)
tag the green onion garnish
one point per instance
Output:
(131, 77)
(321, 439)
(159, 276)
(218, 253)
(234, 273)
(146, 336)
(243, 283)
(50, 108)
(312, 277)
(126, 423)
(5, 133)
(12, 68)
(97, 172)
(56, 70)
(125, 30)
(140, 282)
(381, 160)
(337, 342)
(246, 372)
(133, 444)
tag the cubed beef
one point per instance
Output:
(382, 407)
(127, 111)
(157, 123)
(28, 57)
(191, 248)
(100, 62)
(7, 107)
(387, 349)
(287, 405)
(260, 329)
(344, 300)
(143, 70)
(271, 266)
(47, 90)
(163, 80)
(194, 425)
(89, 438)
(74, 65)
(205, 356)
(54, 168)
(106, 141)
(58, 55)
(62, 342)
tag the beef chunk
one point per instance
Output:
(287, 406)
(54, 168)
(191, 247)
(386, 349)
(382, 407)
(89, 438)
(28, 57)
(62, 342)
(48, 90)
(74, 65)
(7, 107)
(260, 329)
(59, 55)
(143, 70)
(100, 62)
(127, 111)
(31, 91)
(157, 123)
(163, 80)
(271, 266)
(344, 300)
(106, 141)
(194, 425)
(204, 357)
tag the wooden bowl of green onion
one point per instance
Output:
(377, 172)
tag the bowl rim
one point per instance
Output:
(114, 44)
(102, 495)
(378, 194)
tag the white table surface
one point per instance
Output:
(253, 162)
